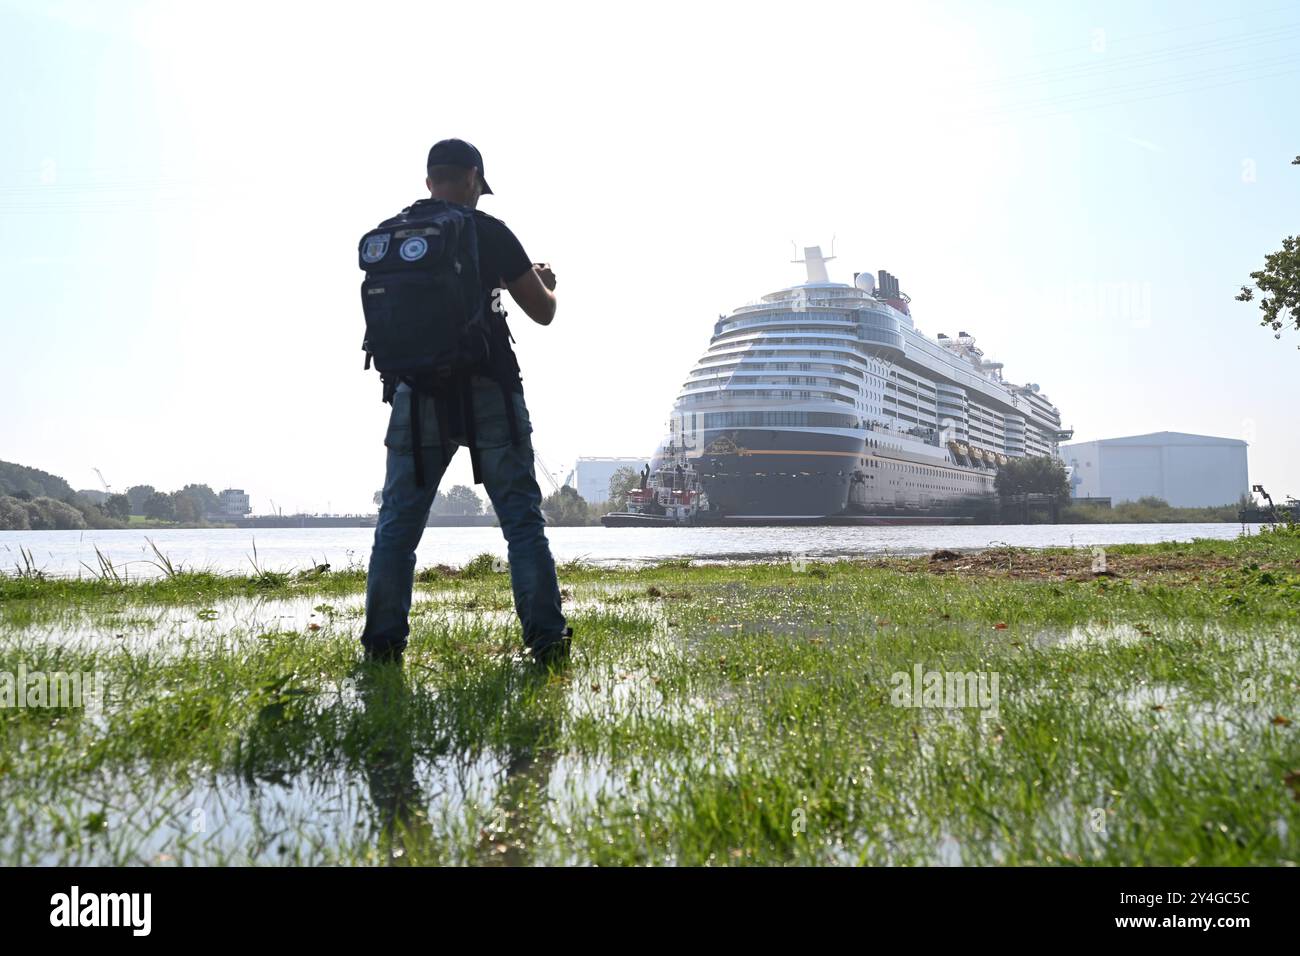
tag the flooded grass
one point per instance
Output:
(787, 713)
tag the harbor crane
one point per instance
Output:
(547, 472)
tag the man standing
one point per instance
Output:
(497, 433)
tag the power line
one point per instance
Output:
(1144, 85)
(1139, 99)
(1087, 48)
(1108, 64)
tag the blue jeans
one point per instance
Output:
(507, 472)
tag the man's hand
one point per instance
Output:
(534, 291)
(543, 270)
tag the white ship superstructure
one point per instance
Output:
(824, 398)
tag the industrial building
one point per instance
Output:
(590, 476)
(234, 503)
(1187, 471)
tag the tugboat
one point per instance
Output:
(670, 495)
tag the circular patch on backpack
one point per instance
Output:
(375, 248)
(413, 249)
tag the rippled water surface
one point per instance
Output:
(231, 549)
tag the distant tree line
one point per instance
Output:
(458, 500)
(568, 508)
(35, 500)
(187, 506)
(1021, 478)
(19, 480)
(564, 507)
(1150, 510)
(1032, 475)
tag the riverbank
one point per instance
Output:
(45, 514)
(131, 554)
(1003, 706)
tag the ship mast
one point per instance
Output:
(816, 263)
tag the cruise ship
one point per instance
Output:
(825, 400)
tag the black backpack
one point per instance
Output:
(421, 295)
(426, 321)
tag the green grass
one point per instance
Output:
(718, 714)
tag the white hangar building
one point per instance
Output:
(1188, 471)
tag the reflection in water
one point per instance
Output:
(509, 834)
(521, 799)
(389, 760)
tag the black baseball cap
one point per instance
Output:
(457, 152)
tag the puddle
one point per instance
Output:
(948, 852)
(153, 627)
(317, 817)
(1145, 698)
(138, 627)
(509, 808)
(1083, 635)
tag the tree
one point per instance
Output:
(93, 514)
(47, 514)
(138, 495)
(1279, 283)
(13, 515)
(158, 506)
(32, 481)
(458, 500)
(184, 507)
(1039, 474)
(206, 501)
(118, 506)
(620, 483)
(566, 507)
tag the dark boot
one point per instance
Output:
(555, 652)
(384, 655)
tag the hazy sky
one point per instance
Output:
(1083, 187)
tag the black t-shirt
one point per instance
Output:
(501, 259)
